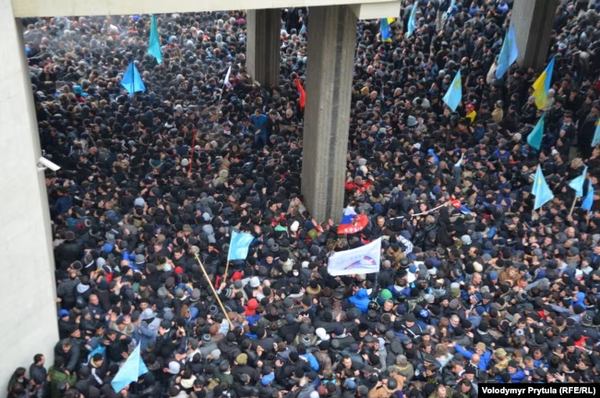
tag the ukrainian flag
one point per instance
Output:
(542, 85)
(385, 30)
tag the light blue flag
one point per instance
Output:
(130, 371)
(508, 53)
(454, 93)
(449, 11)
(451, 7)
(238, 247)
(596, 139)
(100, 349)
(132, 81)
(540, 189)
(154, 41)
(534, 139)
(577, 183)
(412, 20)
(588, 201)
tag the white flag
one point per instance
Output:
(226, 82)
(362, 260)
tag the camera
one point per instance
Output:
(44, 164)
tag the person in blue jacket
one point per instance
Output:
(360, 300)
(485, 356)
(514, 372)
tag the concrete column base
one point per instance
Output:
(263, 45)
(533, 21)
(331, 47)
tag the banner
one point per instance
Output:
(361, 260)
(351, 222)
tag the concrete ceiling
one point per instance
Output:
(364, 9)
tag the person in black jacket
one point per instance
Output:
(116, 346)
(38, 375)
(69, 251)
(69, 350)
(587, 130)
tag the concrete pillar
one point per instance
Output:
(533, 21)
(27, 293)
(331, 46)
(263, 45)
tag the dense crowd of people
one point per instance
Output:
(499, 293)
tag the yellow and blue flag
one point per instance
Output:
(132, 81)
(454, 94)
(154, 41)
(385, 30)
(540, 189)
(588, 201)
(412, 20)
(508, 53)
(534, 139)
(577, 183)
(238, 246)
(541, 86)
(132, 369)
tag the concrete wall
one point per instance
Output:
(27, 293)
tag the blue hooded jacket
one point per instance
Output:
(360, 300)
(484, 359)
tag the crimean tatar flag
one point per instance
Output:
(534, 139)
(540, 189)
(454, 94)
(132, 80)
(130, 371)
(577, 183)
(154, 41)
(412, 20)
(508, 53)
(238, 246)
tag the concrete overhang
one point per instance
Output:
(364, 9)
(377, 10)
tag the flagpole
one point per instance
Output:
(431, 210)
(425, 212)
(573, 206)
(132, 78)
(194, 131)
(375, 287)
(226, 271)
(225, 83)
(212, 288)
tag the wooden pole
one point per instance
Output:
(226, 271)
(573, 206)
(213, 291)
(194, 131)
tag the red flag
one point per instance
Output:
(301, 93)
